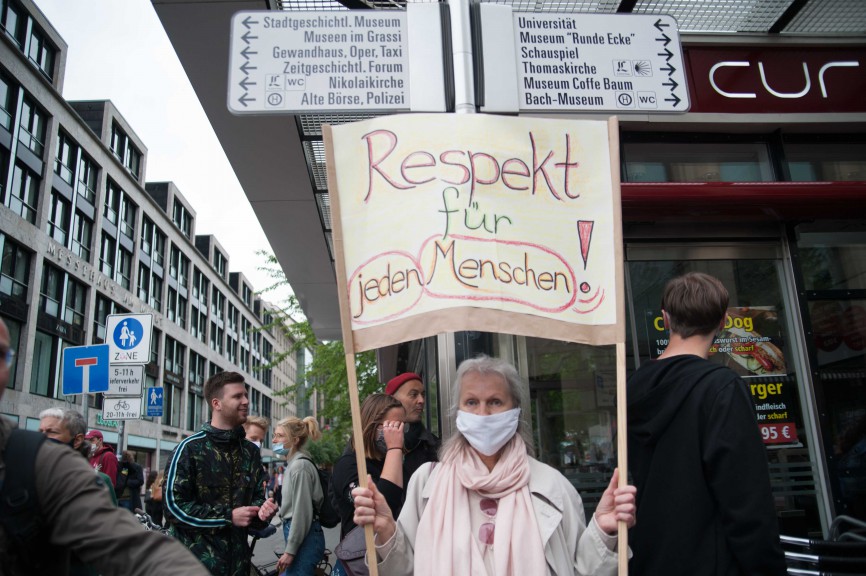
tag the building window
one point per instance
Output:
(182, 219)
(58, 218)
(171, 405)
(220, 263)
(127, 218)
(154, 346)
(24, 193)
(247, 296)
(76, 296)
(156, 293)
(52, 291)
(125, 150)
(15, 270)
(12, 22)
(65, 159)
(7, 103)
(198, 325)
(233, 315)
(218, 304)
(158, 247)
(123, 274)
(176, 308)
(82, 232)
(174, 356)
(810, 161)
(107, 255)
(216, 338)
(112, 202)
(42, 53)
(32, 132)
(200, 286)
(103, 309)
(143, 283)
(147, 228)
(88, 173)
(46, 356)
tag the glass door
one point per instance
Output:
(761, 343)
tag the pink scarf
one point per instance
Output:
(445, 544)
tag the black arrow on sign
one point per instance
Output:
(246, 22)
(667, 53)
(244, 99)
(659, 25)
(664, 39)
(676, 100)
(246, 52)
(672, 83)
(245, 83)
(247, 37)
(669, 68)
(246, 68)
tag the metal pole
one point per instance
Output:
(461, 46)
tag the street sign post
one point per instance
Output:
(85, 369)
(125, 380)
(123, 408)
(154, 401)
(128, 337)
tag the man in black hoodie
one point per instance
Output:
(703, 487)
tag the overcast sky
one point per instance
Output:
(119, 51)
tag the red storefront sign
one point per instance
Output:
(761, 79)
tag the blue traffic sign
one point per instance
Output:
(154, 401)
(85, 369)
(127, 333)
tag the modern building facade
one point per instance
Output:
(761, 183)
(83, 236)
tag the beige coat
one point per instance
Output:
(570, 548)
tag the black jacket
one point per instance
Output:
(423, 449)
(345, 479)
(704, 505)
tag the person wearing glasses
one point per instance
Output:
(72, 512)
(486, 489)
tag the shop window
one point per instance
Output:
(819, 162)
(14, 328)
(15, 270)
(833, 261)
(696, 162)
(45, 356)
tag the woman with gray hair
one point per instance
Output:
(488, 487)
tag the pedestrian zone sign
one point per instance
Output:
(85, 369)
(154, 401)
(128, 337)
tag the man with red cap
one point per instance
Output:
(419, 443)
(102, 457)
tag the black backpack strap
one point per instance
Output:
(19, 503)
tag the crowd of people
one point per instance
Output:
(480, 503)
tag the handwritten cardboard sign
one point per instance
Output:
(456, 222)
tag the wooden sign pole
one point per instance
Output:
(360, 454)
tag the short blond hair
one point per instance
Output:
(259, 421)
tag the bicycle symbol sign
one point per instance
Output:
(128, 408)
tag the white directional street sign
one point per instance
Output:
(125, 380)
(128, 338)
(308, 61)
(122, 408)
(618, 63)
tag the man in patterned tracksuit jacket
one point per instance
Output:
(213, 483)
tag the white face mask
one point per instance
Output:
(488, 434)
(258, 444)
